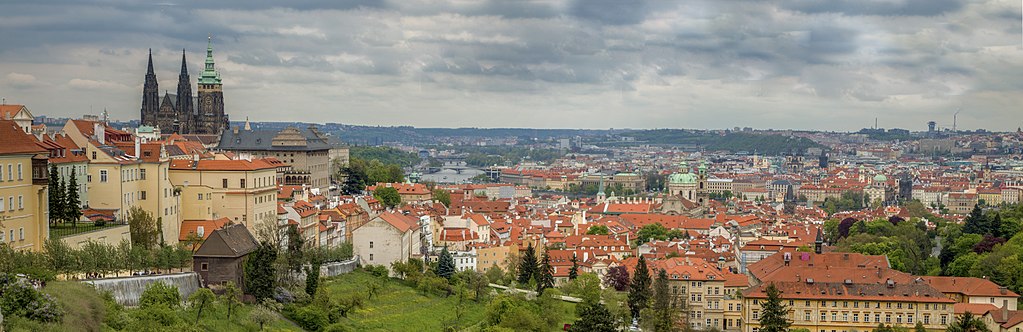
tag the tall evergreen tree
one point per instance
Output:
(545, 274)
(56, 192)
(295, 244)
(639, 289)
(527, 265)
(663, 309)
(445, 264)
(995, 226)
(976, 222)
(260, 274)
(72, 203)
(967, 323)
(773, 312)
(574, 271)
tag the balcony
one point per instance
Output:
(40, 176)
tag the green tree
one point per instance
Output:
(56, 193)
(142, 228)
(445, 264)
(649, 232)
(355, 177)
(230, 298)
(72, 203)
(312, 279)
(61, 256)
(294, 252)
(968, 323)
(664, 313)
(527, 265)
(773, 312)
(199, 300)
(159, 293)
(574, 271)
(639, 288)
(260, 273)
(442, 196)
(919, 327)
(387, 196)
(262, 316)
(594, 318)
(597, 230)
(545, 276)
(977, 222)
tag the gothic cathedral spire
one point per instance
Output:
(150, 94)
(185, 104)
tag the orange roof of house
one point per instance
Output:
(221, 165)
(969, 286)
(192, 226)
(977, 309)
(401, 222)
(16, 141)
(7, 111)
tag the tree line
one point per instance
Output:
(64, 202)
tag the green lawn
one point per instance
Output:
(397, 307)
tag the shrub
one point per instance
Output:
(100, 223)
(377, 270)
(310, 318)
(282, 295)
(160, 293)
(20, 299)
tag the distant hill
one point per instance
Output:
(767, 144)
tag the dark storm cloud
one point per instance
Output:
(615, 12)
(876, 7)
(570, 62)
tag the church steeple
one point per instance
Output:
(150, 71)
(150, 95)
(185, 104)
(209, 73)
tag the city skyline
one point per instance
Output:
(795, 64)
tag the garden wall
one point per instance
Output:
(110, 235)
(128, 290)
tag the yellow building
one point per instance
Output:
(500, 256)
(844, 292)
(243, 191)
(849, 306)
(123, 172)
(23, 189)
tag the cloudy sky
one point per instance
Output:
(804, 64)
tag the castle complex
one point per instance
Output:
(181, 113)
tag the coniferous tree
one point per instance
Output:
(445, 264)
(295, 243)
(773, 312)
(968, 323)
(574, 271)
(639, 289)
(56, 196)
(663, 308)
(545, 275)
(976, 222)
(995, 226)
(72, 203)
(260, 274)
(527, 265)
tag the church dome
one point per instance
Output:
(682, 178)
(880, 178)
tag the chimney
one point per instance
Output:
(138, 148)
(100, 133)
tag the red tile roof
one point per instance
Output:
(16, 141)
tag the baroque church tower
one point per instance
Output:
(211, 117)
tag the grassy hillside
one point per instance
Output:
(85, 309)
(397, 307)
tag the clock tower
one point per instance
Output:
(210, 117)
